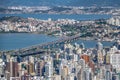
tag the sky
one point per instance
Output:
(59, 2)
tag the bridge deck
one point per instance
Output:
(37, 48)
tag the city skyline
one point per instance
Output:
(59, 40)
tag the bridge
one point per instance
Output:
(38, 49)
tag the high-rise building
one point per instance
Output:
(76, 45)
(39, 68)
(114, 20)
(117, 44)
(99, 46)
(75, 57)
(107, 58)
(108, 75)
(49, 68)
(115, 77)
(70, 77)
(81, 62)
(12, 68)
(84, 74)
(57, 77)
(101, 73)
(100, 57)
(92, 66)
(2, 67)
(86, 57)
(115, 60)
(88, 75)
(82, 46)
(79, 51)
(4, 57)
(30, 68)
(64, 72)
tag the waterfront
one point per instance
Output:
(9, 41)
(57, 40)
(61, 16)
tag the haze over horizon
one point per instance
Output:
(6, 3)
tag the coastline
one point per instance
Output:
(83, 39)
(86, 38)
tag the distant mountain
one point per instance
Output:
(60, 3)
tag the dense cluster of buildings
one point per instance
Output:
(70, 62)
(15, 24)
(107, 30)
(29, 25)
(114, 20)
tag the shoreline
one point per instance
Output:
(84, 39)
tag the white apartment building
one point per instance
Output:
(115, 60)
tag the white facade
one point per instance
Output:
(115, 60)
(114, 20)
(2, 65)
(49, 70)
